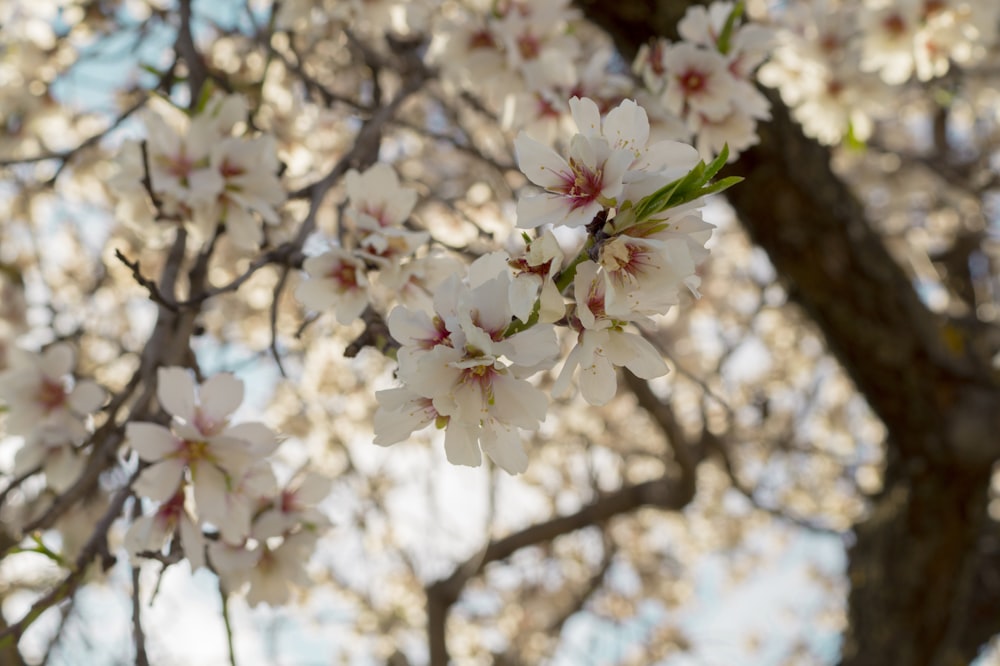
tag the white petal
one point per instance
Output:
(262, 439)
(598, 382)
(220, 396)
(586, 115)
(175, 391)
(192, 541)
(57, 361)
(503, 445)
(316, 294)
(86, 397)
(461, 445)
(542, 165)
(209, 492)
(538, 209)
(160, 481)
(151, 441)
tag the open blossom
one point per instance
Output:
(462, 370)
(609, 163)
(200, 447)
(337, 279)
(152, 533)
(603, 344)
(201, 175)
(38, 389)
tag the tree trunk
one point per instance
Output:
(919, 565)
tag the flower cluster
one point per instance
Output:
(464, 368)
(206, 473)
(706, 79)
(464, 364)
(202, 175)
(833, 69)
(379, 261)
(50, 411)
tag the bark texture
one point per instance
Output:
(923, 567)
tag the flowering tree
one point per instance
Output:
(432, 313)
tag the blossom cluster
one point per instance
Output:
(528, 58)
(50, 411)
(707, 78)
(833, 69)
(199, 172)
(464, 365)
(378, 262)
(208, 476)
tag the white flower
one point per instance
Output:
(152, 532)
(39, 391)
(462, 370)
(697, 81)
(577, 189)
(603, 344)
(216, 455)
(294, 505)
(337, 279)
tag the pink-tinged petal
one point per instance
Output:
(261, 439)
(502, 444)
(542, 165)
(151, 441)
(461, 444)
(86, 397)
(586, 115)
(159, 482)
(57, 361)
(175, 391)
(220, 396)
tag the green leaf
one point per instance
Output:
(724, 42)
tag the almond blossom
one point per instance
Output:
(464, 370)
(200, 447)
(603, 344)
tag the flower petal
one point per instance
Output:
(175, 391)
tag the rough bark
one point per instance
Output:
(920, 561)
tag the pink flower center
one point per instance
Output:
(481, 39)
(693, 81)
(528, 46)
(583, 185)
(230, 170)
(346, 275)
(894, 25)
(51, 395)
